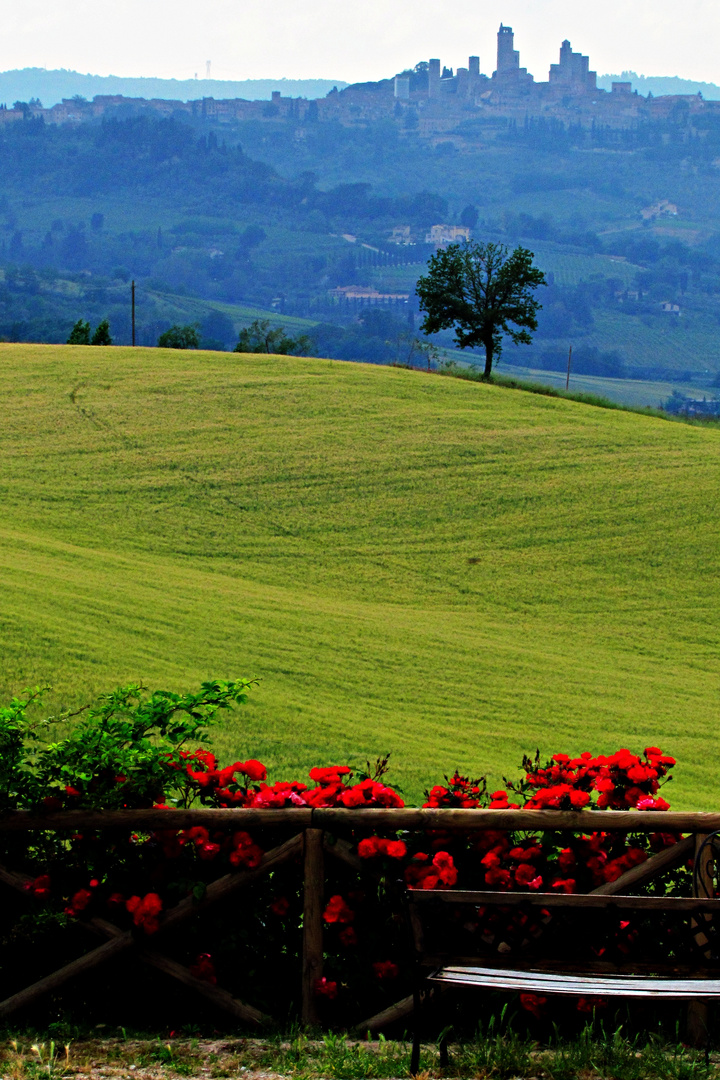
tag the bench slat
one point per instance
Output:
(596, 985)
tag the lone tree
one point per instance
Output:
(259, 338)
(102, 334)
(180, 337)
(482, 291)
(80, 333)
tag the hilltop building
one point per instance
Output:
(572, 73)
(431, 100)
(442, 235)
(508, 71)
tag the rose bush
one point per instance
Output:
(138, 750)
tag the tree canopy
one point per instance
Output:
(180, 337)
(260, 338)
(482, 291)
(80, 333)
(102, 334)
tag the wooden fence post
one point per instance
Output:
(703, 886)
(313, 897)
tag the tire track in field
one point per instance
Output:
(100, 424)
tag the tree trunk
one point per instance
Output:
(489, 351)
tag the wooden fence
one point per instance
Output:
(319, 835)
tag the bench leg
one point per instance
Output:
(444, 1055)
(697, 1023)
(417, 1026)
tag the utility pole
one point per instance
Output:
(132, 294)
(567, 381)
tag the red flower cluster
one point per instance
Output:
(386, 969)
(326, 988)
(201, 767)
(424, 874)
(618, 781)
(333, 790)
(245, 851)
(591, 1004)
(204, 969)
(338, 911)
(145, 911)
(461, 793)
(533, 1003)
(373, 846)
(200, 837)
(280, 906)
(622, 780)
(40, 887)
(332, 786)
(79, 902)
(240, 848)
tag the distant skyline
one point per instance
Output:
(351, 41)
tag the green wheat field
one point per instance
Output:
(453, 572)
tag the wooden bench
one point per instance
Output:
(516, 959)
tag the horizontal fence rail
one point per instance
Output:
(372, 818)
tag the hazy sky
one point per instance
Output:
(354, 39)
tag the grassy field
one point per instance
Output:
(454, 572)
(637, 393)
(190, 308)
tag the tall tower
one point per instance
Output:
(508, 60)
(433, 78)
(573, 71)
(509, 74)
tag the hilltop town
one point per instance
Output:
(431, 99)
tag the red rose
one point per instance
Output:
(499, 879)
(198, 835)
(145, 911)
(207, 852)
(348, 936)
(566, 859)
(385, 969)
(40, 887)
(246, 852)
(533, 1003)
(329, 775)
(204, 969)
(590, 1004)
(81, 899)
(325, 988)
(443, 863)
(254, 770)
(524, 874)
(337, 911)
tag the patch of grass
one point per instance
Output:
(634, 392)
(591, 1055)
(453, 571)
(474, 374)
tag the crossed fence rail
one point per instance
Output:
(321, 834)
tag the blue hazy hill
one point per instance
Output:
(52, 86)
(660, 85)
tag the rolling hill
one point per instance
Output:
(454, 572)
